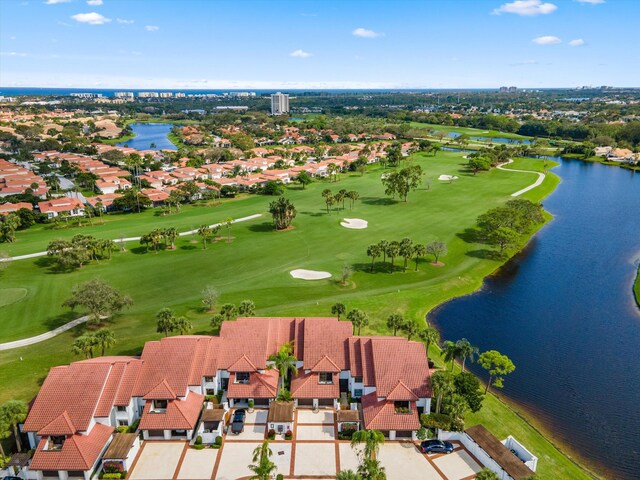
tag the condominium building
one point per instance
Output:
(279, 103)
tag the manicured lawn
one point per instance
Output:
(473, 132)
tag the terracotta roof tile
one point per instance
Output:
(110, 390)
(162, 391)
(380, 415)
(401, 392)
(179, 415)
(261, 385)
(61, 425)
(305, 385)
(79, 452)
(325, 364)
(243, 364)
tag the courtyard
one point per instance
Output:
(314, 451)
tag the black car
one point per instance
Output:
(237, 424)
(436, 446)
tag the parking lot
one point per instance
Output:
(314, 451)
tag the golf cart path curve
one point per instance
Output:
(538, 182)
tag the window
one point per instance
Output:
(120, 408)
(123, 423)
(242, 377)
(402, 407)
(357, 379)
(357, 392)
(280, 428)
(208, 379)
(159, 405)
(325, 377)
(55, 443)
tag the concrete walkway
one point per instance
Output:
(131, 239)
(541, 177)
(45, 336)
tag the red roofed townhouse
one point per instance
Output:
(106, 200)
(6, 208)
(55, 206)
(70, 422)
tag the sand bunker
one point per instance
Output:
(447, 178)
(309, 274)
(355, 223)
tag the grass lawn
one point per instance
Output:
(472, 132)
(256, 265)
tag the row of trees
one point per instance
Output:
(87, 343)
(158, 237)
(282, 212)
(405, 249)
(340, 197)
(80, 250)
(229, 311)
(167, 322)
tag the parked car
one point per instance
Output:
(237, 424)
(436, 446)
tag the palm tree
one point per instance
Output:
(451, 352)
(285, 362)
(358, 318)
(406, 250)
(429, 335)
(283, 212)
(371, 439)
(419, 251)
(466, 350)
(171, 233)
(228, 223)
(13, 413)
(165, 321)
(182, 325)
(370, 469)
(393, 249)
(410, 328)
(330, 201)
(338, 309)
(353, 196)
(84, 345)
(373, 251)
(262, 467)
(105, 338)
(216, 321)
(205, 232)
(457, 406)
(395, 321)
(247, 308)
(442, 383)
(383, 244)
(228, 311)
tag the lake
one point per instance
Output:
(150, 133)
(563, 311)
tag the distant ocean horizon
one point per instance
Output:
(109, 92)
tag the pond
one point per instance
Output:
(563, 311)
(150, 136)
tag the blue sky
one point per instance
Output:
(319, 44)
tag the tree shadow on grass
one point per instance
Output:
(188, 247)
(59, 320)
(51, 265)
(140, 250)
(470, 235)
(485, 254)
(379, 267)
(262, 227)
(379, 201)
(314, 214)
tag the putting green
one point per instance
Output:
(11, 295)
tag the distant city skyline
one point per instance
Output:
(285, 44)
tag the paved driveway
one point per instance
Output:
(236, 457)
(157, 461)
(457, 465)
(403, 461)
(198, 464)
(307, 416)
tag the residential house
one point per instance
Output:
(56, 206)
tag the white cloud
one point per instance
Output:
(152, 28)
(124, 21)
(592, 2)
(578, 42)
(547, 40)
(365, 33)
(300, 54)
(12, 54)
(94, 3)
(12, 38)
(92, 18)
(526, 8)
(54, 2)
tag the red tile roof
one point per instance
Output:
(326, 336)
(62, 204)
(305, 385)
(397, 359)
(162, 391)
(179, 415)
(79, 452)
(401, 392)
(380, 415)
(261, 385)
(325, 364)
(61, 425)
(243, 364)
